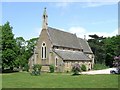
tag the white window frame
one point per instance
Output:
(43, 53)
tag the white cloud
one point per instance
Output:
(97, 4)
(86, 4)
(38, 30)
(77, 30)
(62, 4)
(81, 32)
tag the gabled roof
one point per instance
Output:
(85, 45)
(71, 55)
(63, 39)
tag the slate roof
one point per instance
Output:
(63, 39)
(85, 45)
(71, 55)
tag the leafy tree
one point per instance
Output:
(97, 46)
(24, 51)
(30, 45)
(105, 48)
(112, 48)
(21, 59)
(8, 47)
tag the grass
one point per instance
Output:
(58, 80)
(99, 66)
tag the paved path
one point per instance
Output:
(104, 71)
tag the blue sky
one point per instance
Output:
(82, 18)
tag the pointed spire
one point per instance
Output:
(45, 17)
(45, 13)
(84, 37)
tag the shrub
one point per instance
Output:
(36, 69)
(117, 63)
(83, 67)
(51, 67)
(76, 69)
(26, 68)
(67, 71)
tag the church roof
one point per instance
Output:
(63, 39)
(85, 45)
(71, 55)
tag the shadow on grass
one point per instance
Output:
(8, 71)
(76, 74)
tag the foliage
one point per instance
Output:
(8, 47)
(105, 48)
(112, 47)
(83, 67)
(15, 52)
(76, 69)
(97, 46)
(58, 80)
(36, 69)
(25, 50)
(31, 44)
(26, 68)
(51, 67)
(117, 63)
(99, 66)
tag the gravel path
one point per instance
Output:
(104, 71)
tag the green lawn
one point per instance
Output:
(58, 80)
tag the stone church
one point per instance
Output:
(61, 49)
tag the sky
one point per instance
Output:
(80, 18)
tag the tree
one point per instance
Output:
(112, 48)
(21, 60)
(8, 47)
(30, 45)
(97, 46)
(105, 48)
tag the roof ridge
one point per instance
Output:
(63, 38)
(62, 31)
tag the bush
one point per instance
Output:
(76, 69)
(26, 68)
(36, 69)
(51, 67)
(83, 67)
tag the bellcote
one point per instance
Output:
(45, 19)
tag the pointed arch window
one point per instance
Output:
(43, 51)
